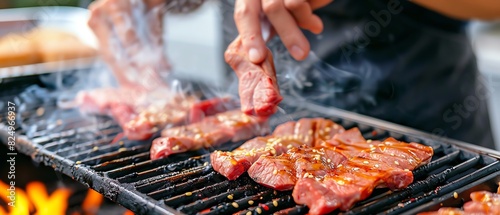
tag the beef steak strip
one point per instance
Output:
(483, 202)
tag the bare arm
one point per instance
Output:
(464, 9)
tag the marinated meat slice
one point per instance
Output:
(370, 164)
(485, 196)
(100, 101)
(233, 164)
(287, 135)
(142, 113)
(351, 137)
(282, 172)
(258, 87)
(211, 131)
(325, 130)
(202, 109)
(483, 203)
(409, 155)
(445, 211)
(156, 116)
(348, 183)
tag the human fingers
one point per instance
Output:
(286, 27)
(302, 12)
(247, 19)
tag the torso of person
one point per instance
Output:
(415, 67)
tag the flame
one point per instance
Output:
(37, 201)
(92, 202)
(21, 206)
(57, 203)
(128, 212)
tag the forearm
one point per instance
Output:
(464, 9)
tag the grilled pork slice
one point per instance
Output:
(258, 87)
(209, 132)
(369, 164)
(282, 172)
(306, 131)
(406, 155)
(346, 185)
(483, 203)
(446, 211)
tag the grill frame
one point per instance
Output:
(143, 204)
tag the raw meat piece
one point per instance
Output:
(258, 87)
(306, 131)
(211, 131)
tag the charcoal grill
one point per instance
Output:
(186, 183)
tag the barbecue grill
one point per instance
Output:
(187, 184)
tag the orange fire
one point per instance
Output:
(35, 200)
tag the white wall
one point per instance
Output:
(486, 41)
(194, 44)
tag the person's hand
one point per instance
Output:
(130, 39)
(287, 18)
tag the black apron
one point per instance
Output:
(399, 62)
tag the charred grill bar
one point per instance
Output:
(186, 183)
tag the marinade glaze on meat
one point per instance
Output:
(327, 168)
(288, 135)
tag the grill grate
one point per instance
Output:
(186, 183)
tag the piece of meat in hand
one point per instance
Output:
(130, 40)
(258, 87)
